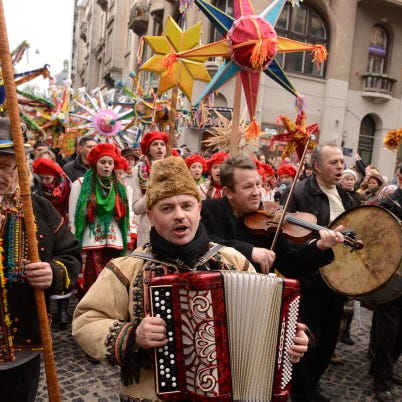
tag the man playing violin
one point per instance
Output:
(321, 308)
(225, 224)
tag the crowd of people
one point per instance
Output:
(122, 216)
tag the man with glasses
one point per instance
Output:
(55, 273)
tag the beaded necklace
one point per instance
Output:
(6, 340)
(13, 237)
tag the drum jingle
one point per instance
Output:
(372, 274)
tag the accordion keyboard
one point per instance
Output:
(166, 375)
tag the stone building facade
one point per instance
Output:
(355, 97)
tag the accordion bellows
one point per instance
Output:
(228, 336)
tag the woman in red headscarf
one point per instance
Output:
(197, 166)
(212, 187)
(99, 214)
(54, 184)
(153, 147)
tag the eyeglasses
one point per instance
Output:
(6, 168)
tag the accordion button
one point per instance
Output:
(174, 384)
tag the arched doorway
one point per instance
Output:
(366, 139)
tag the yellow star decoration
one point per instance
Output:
(175, 71)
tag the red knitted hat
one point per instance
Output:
(47, 167)
(196, 158)
(286, 169)
(150, 137)
(121, 163)
(215, 159)
(103, 150)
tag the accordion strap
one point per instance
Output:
(201, 261)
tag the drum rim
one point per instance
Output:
(334, 224)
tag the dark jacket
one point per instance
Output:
(223, 227)
(308, 197)
(394, 206)
(58, 247)
(75, 169)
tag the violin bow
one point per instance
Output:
(25, 189)
(286, 206)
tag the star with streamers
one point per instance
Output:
(297, 134)
(250, 44)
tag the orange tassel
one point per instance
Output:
(320, 54)
(253, 129)
(263, 50)
(169, 61)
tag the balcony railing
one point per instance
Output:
(376, 85)
(139, 17)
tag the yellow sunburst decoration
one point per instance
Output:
(175, 71)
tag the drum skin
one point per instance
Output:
(372, 274)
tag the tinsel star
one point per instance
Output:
(297, 134)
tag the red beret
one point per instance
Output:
(100, 150)
(268, 169)
(287, 169)
(121, 163)
(150, 137)
(215, 159)
(47, 167)
(196, 158)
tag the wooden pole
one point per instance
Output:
(234, 143)
(25, 188)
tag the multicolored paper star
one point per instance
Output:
(250, 44)
(297, 134)
(176, 72)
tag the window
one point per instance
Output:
(366, 139)
(227, 7)
(304, 25)
(377, 50)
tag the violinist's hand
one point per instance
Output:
(38, 274)
(297, 351)
(151, 333)
(264, 257)
(330, 238)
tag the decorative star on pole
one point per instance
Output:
(173, 71)
(297, 134)
(250, 44)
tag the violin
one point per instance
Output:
(296, 226)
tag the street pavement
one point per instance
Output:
(81, 381)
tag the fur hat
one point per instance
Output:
(351, 172)
(103, 150)
(378, 178)
(6, 142)
(286, 169)
(150, 137)
(170, 176)
(196, 158)
(47, 167)
(215, 159)
(128, 152)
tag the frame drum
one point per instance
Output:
(372, 274)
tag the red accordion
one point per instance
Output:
(228, 335)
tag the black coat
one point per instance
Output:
(291, 259)
(57, 246)
(75, 169)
